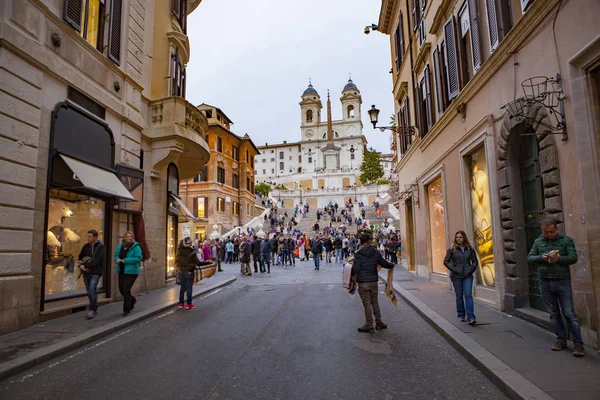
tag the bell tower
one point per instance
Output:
(310, 113)
(351, 101)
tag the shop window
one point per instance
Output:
(236, 181)
(70, 216)
(437, 225)
(220, 175)
(482, 216)
(171, 245)
(220, 204)
(219, 145)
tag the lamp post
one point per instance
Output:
(401, 129)
(355, 199)
(300, 186)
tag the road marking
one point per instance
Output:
(103, 342)
(329, 287)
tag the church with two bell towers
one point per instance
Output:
(329, 152)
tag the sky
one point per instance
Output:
(253, 60)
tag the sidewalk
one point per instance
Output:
(26, 348)
(512, 353)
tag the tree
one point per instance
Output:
(262, 189)
(370, 168)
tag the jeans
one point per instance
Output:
(328, 256)
(368, 292)
(266, 261)
(285, 255)
(126, 282)
(187, 284)
(338, 255)
(257, 263)
(558, 296)
(229, 257)
(91, 285)
(317, 259)
(463, 289)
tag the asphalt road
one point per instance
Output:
(287, 335)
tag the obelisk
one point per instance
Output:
(331, 152)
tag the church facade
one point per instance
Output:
(328, 154)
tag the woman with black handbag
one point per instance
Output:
(186, 262)
(128, 258)
(461, 260)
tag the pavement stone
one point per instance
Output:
(26, 348)
(513, 353)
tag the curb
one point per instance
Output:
(509, 381)
(40, 356)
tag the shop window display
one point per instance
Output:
(70, 217)
(171, 245)
(482, 217)
(437, 226)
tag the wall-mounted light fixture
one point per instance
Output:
(401, 130)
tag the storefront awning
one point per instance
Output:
(97, 179)
(183, 209)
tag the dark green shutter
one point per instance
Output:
(72, 13)
(114, 38)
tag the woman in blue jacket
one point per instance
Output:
(128, 257)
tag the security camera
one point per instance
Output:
(367, 30)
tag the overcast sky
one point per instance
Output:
(253, 59)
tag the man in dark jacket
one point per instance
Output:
(265, 251)
(553, 253)
(255, 246)
(245, 252)
(316, 247)
(92, 261)
(337, 244)
(364, 268)
(186, 262)
(328, 249)
(292, 249)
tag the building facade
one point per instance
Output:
(304, 162)
(223, 193)
(94, 137)
(498, 104)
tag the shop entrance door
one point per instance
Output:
(410, 232)
(533, 206)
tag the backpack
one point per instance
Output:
(317, 247)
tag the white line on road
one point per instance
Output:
(103, 342)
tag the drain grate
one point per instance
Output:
(413, 289)
(403, 280)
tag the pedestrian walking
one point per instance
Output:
(364, 268)
(128, 257)
(245, 252)
(229, 250)
(219, 245)
(186, 262)
(553, 253)
(265, 252)
(461, 260)
(255, 247)
(292, 249)
(337, 245)
(317, 248)
(92, 262)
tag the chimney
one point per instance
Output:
(285, 142)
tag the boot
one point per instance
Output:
(269, 270)
(380, 326)
(559, 345)
(578, 350)
(366, 329)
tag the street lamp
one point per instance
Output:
(355, 199)
(401, 129)
(300, 186)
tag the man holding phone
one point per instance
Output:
(553, 253)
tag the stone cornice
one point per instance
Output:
(182, 42)
(531, 20)
(402, 91)
(385, 16)
(441, 16)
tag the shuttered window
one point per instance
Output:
(72, 12)
(399, 42)
(114, 38)
(451, 59)
(179, 10)
(177, 76)
(418, 96)
(438, 81)
(475, 35)
(428, 98)
(416, 13)
(492, 23)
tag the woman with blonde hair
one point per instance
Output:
(128, 257)
(461, 260)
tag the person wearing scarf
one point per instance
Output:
(462, 262)
(128, 257)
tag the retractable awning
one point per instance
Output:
(97, 179)
(183, 209)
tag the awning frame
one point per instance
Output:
(182, 208)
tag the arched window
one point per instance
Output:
(309, 115)
(350, 111)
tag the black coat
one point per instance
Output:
(187, 259)
(462, 263)
(365, 264)
(256, 246)
(97, 254)
(245, 252)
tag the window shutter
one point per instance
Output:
(418, 109)
(492, 23)
(397, 43)
(72, 13)
(176, 8)
(406, 112)
(206, 208)
(451, 59)
(429, 99)
(438, 81)
(475, 36)
(114, 38)
(401, 38)
(195, 210)
(183, 18)
(416, 12)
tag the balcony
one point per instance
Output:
(177, 131)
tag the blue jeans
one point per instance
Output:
(91, 285)
(463, 288)
(266, 260)
(285, 255)
(558, 296)
(317, 259)
(187, 284)
(338, 255)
